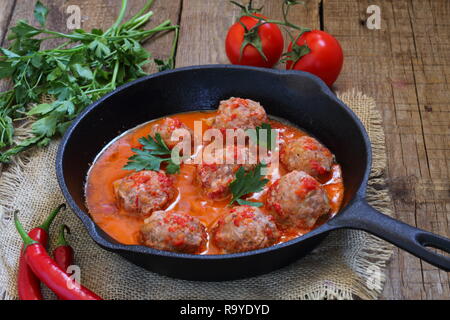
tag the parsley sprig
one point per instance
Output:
(51, 87)
(266, 143)
(247, 182)
(151, 155)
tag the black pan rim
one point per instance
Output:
(91, 226)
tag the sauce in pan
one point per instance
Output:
(108, 167)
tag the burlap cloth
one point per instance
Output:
(346, 265)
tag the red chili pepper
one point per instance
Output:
(63, 253)
(48, 271)
(28, 284)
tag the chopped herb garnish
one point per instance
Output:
(151, 155)
(247, 182)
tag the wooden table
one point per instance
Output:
(405, 66)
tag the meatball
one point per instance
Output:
(308, 155)
(297, 200)
(237, 113)
(214, 178)
(144, 192)
(174, 231)
(166, 129)
(244, 228)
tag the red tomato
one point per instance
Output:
(271, 40)
(325, 59)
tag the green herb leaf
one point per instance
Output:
(41, 109)
(40, 13)
(83, 71)
(23, 30)
(172, 168)
(249, 203)
(156, 145)
(6, 131)
(164, 64)
(65, 106)
(100, 49)
(149, 158)
(36, 61)
(8, 53)
(143, 160)
(54, 74)
(45, 126)
(266, 143)
(20, 147)
(6, 69)
(247, 182)
(98, 32)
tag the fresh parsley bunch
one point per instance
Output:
(51, 87)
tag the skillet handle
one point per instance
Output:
(364, 217)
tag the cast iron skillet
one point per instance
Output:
(296, 96)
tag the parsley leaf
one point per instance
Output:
(45, 126)
(249, 203)
(156, 145)
(172, 167)
(149, 157)
(143, 160)
(266, 143)
(247, 182)
(164, 64)
(40, 13)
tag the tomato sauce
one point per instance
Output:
(108, 167)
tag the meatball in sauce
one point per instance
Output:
(174, 231)
(297, 200)
(166, 129)
(190, 211)
(244, 228)
(308, 155)
(238, 113)
(144, 192)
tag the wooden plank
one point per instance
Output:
(7, 9)
(431, 67)
(204, 26)
(5, 17)
(405, 66)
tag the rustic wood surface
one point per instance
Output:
(405, 66)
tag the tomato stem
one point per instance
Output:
(247, 8)
(251, 37)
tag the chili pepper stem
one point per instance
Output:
(25, 237)
(61, 236)
(46, 224)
